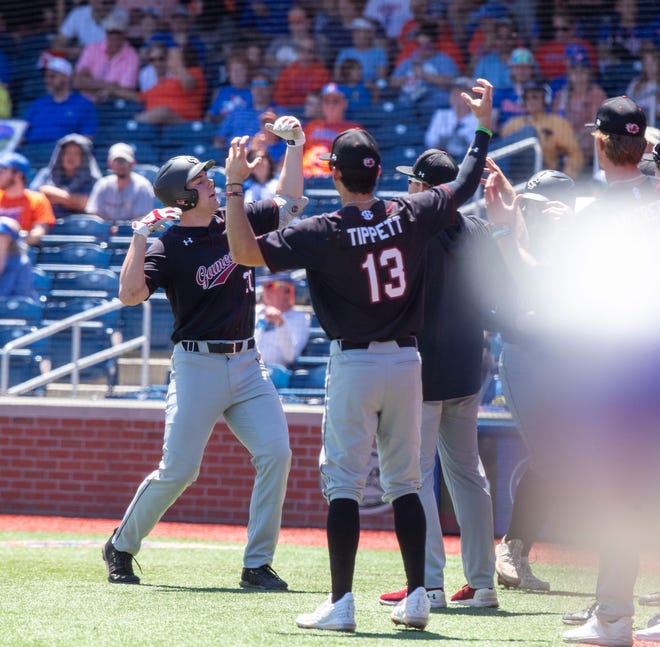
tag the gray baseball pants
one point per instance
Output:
(203, 388)
(451, 427)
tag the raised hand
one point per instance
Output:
(289, 129)
(481, 107)
(155, 220)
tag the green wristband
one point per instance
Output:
(483, 129)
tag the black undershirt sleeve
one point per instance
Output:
(471, 170)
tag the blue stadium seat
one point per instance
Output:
(87, 225)
(92, 340)
(21, 309)
(203, 151)
(317, 345)
(162, 322)
(10, 332)
(23, 366)
(38, 153)
(390, 158)
(117, 111)
(188, 132)
(42, 282)
(62, 307)
(97, 255)
(101, 283)
(308, 378)
(147, 170)
(126, 130)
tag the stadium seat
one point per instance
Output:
(162, 322)
(101, 283)
(23, 366)
(308, 378)
(38, 153)
(147, 170)
(94, 254)
(188, 132)
(42, 282)
(10, 331)
(59, 308)
(93, 228)
(203, 151)
(21, 309)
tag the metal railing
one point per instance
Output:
(77, 363)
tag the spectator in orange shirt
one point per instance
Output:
(30, 208)
(180, 95)
(301, 76)
(320, 133)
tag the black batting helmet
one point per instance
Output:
(170, 183)
(550, 185)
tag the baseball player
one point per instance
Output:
(365, 267)
(216, 370)
(464, 276)
(548, 203)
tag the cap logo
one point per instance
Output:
(633, 129)
(533, 183)
(369, 162)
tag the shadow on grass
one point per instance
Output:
(175, 588)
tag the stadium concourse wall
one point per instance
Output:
(85, 458)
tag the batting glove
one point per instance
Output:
(289, 129)
(155, 220)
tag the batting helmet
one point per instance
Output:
(550, 185)
(170, 183)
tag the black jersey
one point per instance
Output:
(467, 281)
(210, 295)
(365, 267)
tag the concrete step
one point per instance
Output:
(130, 371)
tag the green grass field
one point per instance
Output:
(53, 592)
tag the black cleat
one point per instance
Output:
(119, 564)
(263, 578)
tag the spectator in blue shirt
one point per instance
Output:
(16, 278)
(352, 84)
(234, 95)
(61, 110)
(246, 121)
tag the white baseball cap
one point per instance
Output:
(121, 150)
(56, 64)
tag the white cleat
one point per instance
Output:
(333, 616)
(528, 580)
(595, 632)
(413, 611)
(507, 562)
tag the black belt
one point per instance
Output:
(403, 342)
(217, 347)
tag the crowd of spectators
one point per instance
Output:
(185, 62)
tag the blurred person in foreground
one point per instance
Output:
(597, 332)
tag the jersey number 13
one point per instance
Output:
(394, 285)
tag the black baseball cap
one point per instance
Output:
(549, 185)
(355, 152)
(433, 166)
(620, 116)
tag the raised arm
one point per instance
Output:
(469, 176)
(242, 241)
